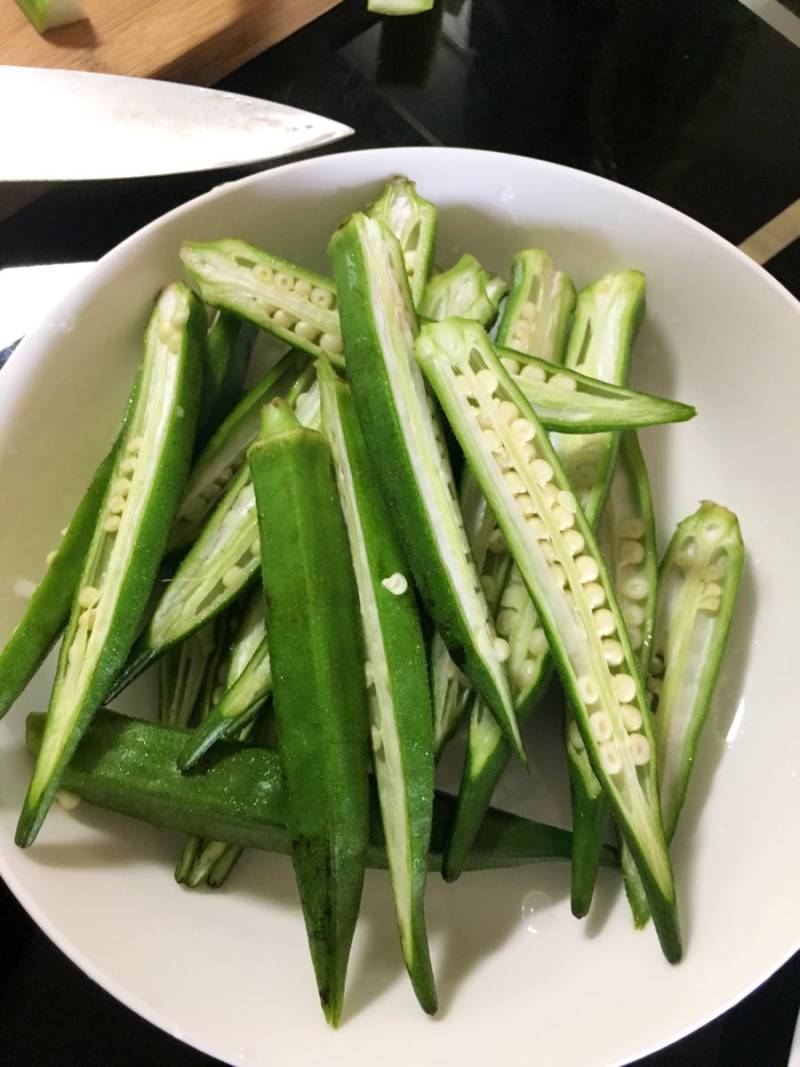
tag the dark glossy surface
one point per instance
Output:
(692, 102)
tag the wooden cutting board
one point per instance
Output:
(197, 41)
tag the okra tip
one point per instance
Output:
(277, 417)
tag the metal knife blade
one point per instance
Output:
(64, 125)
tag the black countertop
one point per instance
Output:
(694, 103)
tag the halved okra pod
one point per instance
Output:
(313, 628)
(227, 348)
(627, 534)
(397, 680)
(412, 220)
(127, 766)
(226, 452)
(49, 608)
(295, 305)
(399, 419)
(698, 582)
(465, 291)
(538, 308)
(128, 542)
(180, 677)
(560, 562)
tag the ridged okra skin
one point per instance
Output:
(128, 543)
(538, 310)
(128, 766)
(399, 420)
(229, 342)
(48, 610)
(560, 562)
(314, 634)
(412, 219)
(397, 679)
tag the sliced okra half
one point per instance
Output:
(412, 219)
(538, 309)
(295, 305)
(400, 421)
(465, 291)
(227, 349)
(180, 677)
(225, 453)
(128, 542)
(397, 679)
(560, 562)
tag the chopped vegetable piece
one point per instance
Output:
(399, 7)
(229, 342)
(412, 220)
(464, 291)
(47, 15)
(538, 309)
(181, 675)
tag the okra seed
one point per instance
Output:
(624, 688)
(515, 596)
(264, 273)
(524, 430)
(496, 542)
(601, 726)
(329, 342)
(605, 623)
(302, 287)
(567, 500)
(508, 410)
(531, 373)
(631, 717)
(66, 800)
(657, 664)
(484, 420)
(527, 311)
(639, 748)
(50, 557)
(514, 483)
(487, 380)
(595, 595)
(284, 319)
(87, 618)
(574, 542)
(712, 589)
(501, 649)
(284, 281)
(529, 452)
(557, 572)
(492, 441)
(232, 577)
(464, 385)
(526, 673)
(548, 551)
(526, 505)
(612, 653)
(575, 738)
(396, 583)
(174, 341)
(635, 635)
(511, 365)
(305, 329)
(121, 487)
(537, 642)
(563, 519)
(542, 471)
(112, 524)
(588, 689)
(88, 596)
(636, 587)
(164, 331)
(630, 552)
(323, 298)
(631, 529)
(116, 505)
(505, 621)
(633, 614)
(538, 529)
(610, 757)
(128, 466)
(563, 381)
(550, 495)
(522, 330)
(587, 568)
(711, 533)
(709, 605)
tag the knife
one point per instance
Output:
(65, 125)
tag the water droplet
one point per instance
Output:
(533, 904)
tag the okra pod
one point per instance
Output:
(558, 558)
(538, 309)
(399, 420)
(313, 628)
(129, 538)
(464, 291)
(47, 613)
(181, 673)
(295, 305)
(412, 220)
(397, 680)
(229, 342)
(128, 766)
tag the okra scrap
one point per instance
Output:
(538, 310)
(314, 633)
(49, 608)
(128, 542)
(180, 677)
(465, 291)
(397, 680)
(560, 562)
(399, 419)
(412, 219)
(227, 348)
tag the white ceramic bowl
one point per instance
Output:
(519, 978)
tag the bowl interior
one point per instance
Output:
(229, 971)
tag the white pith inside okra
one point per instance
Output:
(538, 308)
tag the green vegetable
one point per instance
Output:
(229, 342)
(128, 766)
(47, 15)
(313, 628)
(295, 305)
(397, 680)
(464, 291)
(558, 558)
(412, 220)
(47, 613)
(538, 310)
(411, 462)
(399, 7)
(129, 539)
(181, 673)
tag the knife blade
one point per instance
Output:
(65, 125)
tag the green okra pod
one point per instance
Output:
(48, 611)
(397, 680)
(412, 220)
(464, 291)
(398, 418)
(227, 348)
(180, 677)
(128, 542)
(313, 628)
(538, 310)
